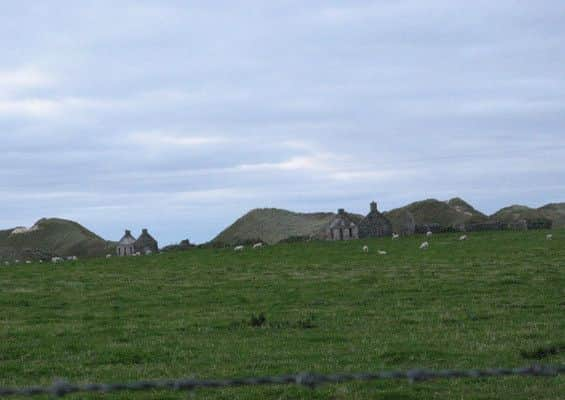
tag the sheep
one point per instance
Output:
(56, 259)
(395, 236)
(429, 233)
(6, 263)
(28, 262)
(382, 252)
(238, 248)
(549, 236)
(108, 256)
(424, 245)
(463, 237)
(365, 249)
(16, 261)
(258, 245)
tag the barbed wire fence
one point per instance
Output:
(309, 380)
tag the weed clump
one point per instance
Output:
(257, 321)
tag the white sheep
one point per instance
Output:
(6, 263)
(238, 248)
(424, 245)
(16, 261)
(395, 236)
(28, 262)
(382, 252)
(463, 237)
(56, 259)
(258, 245)
(429, 233)
(365, 249)
(108, 256)
(549, 236)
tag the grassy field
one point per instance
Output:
(328, 307)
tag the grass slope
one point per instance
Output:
(329, 308)
(53, 236)
(555, 212)
(446, 213)
(272, 225)
(515, 213)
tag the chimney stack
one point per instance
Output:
(341, 211)
(373, 206)
(128, 232)
(144, 231)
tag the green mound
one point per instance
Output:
(516, 213)
(51, 237)
(272, 225)
(452, 213)
(555, 212)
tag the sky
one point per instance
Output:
(180, 116)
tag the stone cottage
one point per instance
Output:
(342, 227)
(146, 244)
(375, 224)
(126, 245)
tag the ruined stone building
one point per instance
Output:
(125, 246)
(343, 227)
(146, 244)
(375, 224)
(129, 245)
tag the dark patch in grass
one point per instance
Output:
(543, 352)
(260, 321)
(257, 321)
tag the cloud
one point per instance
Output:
(26, 77)
(193, 114)
(165, 139)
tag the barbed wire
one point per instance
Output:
(309, 380)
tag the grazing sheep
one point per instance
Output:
(382, 252)
(429, 233)
(549, 236)
(365, 249)
(108, 256)
(238, 248)
(395, 236)
(28, 262)
(424, 245)
(16, 261)
(463, 237)
(56, 259)
(258, 245)
(6, 263)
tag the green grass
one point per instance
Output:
(329, 308)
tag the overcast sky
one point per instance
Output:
(180, 117)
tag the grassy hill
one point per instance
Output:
(49, 237)
(446, 213)
(272, 225)
(516, 213)
(555, 212)
(329, 307)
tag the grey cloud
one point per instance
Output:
(195, 113)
